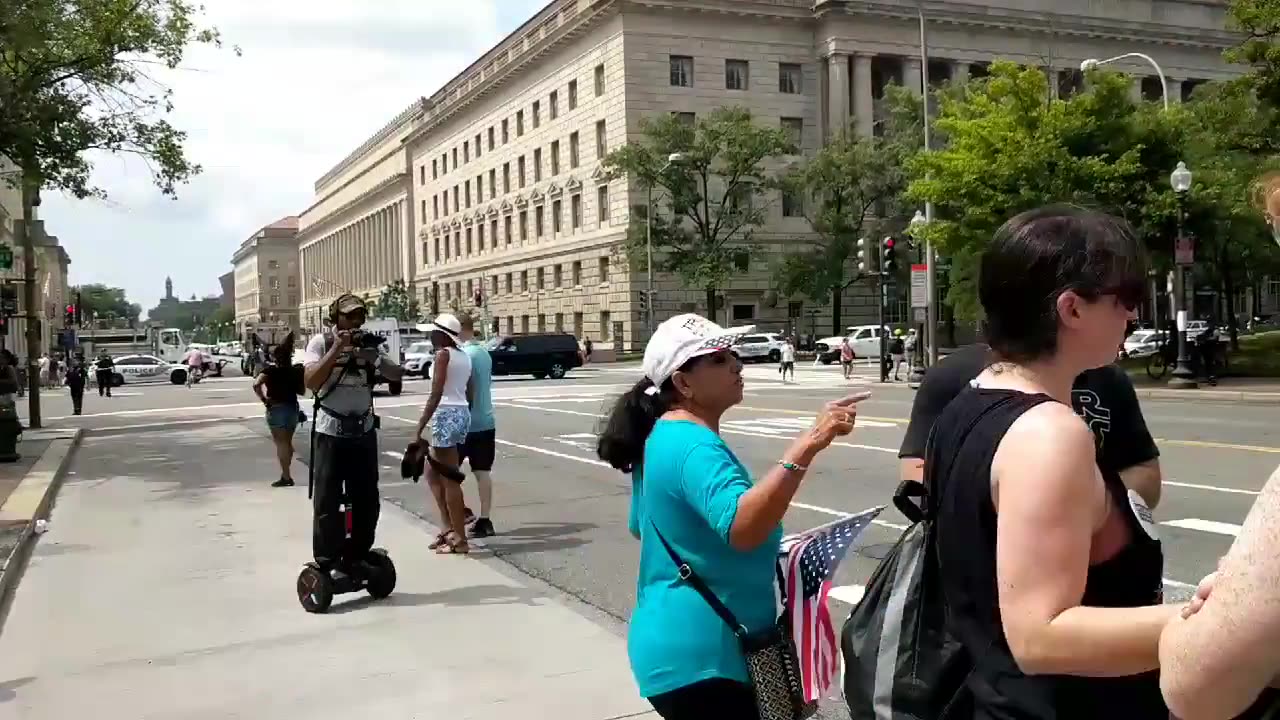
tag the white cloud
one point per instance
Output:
(315, 79)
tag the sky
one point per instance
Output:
(315, 79)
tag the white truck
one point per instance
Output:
(168, 344)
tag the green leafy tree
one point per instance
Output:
(74, 78)
(395, 301)
(1259, 22)
(716, 191)
(1011, 147)
(100, 302)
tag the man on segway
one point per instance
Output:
(339, 368)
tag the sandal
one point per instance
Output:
(441, 540)
(454, 548)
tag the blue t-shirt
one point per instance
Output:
(690, 489)
(481, 386)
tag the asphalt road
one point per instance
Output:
(561, 514)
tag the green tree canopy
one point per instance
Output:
(395, 301)
(102, 302)
(715, 189)
(74, 78)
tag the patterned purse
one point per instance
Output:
(772, 661)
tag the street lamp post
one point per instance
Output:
(930, 335)
(917, 358)
(672, 159)
(1182, 376)
(1092, 63)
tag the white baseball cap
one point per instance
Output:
(682, 338)
(448, 324)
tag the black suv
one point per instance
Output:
(540, 355)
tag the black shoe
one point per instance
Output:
(482, 528)
(283, 482)
(468, 517)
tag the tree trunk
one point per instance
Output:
(837, 304)
(30, 199)
(711, 303)
(1229, 297)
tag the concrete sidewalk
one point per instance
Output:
(164, 588)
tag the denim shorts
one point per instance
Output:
(449, 426)
(282, 417)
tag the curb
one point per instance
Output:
(31, 501)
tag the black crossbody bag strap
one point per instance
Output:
(687, 574)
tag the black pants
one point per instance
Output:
(77, 397)
(718, 697)
(338, 464)
(104, 382)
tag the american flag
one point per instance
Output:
(808, 567)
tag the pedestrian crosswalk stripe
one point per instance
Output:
(1209, 526)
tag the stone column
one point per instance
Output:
(960, 71)
(864, 104)
(1135, 88)
(1175, 90)
(838, 89)
(912, 74)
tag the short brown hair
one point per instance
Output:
(467, 322)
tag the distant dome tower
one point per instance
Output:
(168, 288)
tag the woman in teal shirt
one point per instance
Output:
(690, 487)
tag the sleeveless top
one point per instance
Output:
(455, 382)
(284, 384)
(961, 450)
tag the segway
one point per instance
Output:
(377, 575)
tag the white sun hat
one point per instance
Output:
(448, 324)
(682, 338)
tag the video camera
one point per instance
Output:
(366, 340)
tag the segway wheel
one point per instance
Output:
(315, 589)
(382, 576)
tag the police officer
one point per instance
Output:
(340, 371)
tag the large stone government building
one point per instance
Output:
(491, 190)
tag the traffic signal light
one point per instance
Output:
(4, 325)
(479, 297)
(864, 260)
(71, 315)
(889, 258)
(79, 311)
(644, 301)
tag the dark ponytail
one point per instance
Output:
(621, 436)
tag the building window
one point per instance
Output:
(741, 260)
(556, 275)
(794, 128)
(519, 123)
(491, 138)
(599, 80)
(603, 269)
(602, 147)
(537, 164)
(293, 281)
(467, 189)
(542, 278)
(493, 183)
(520, 171)
(537, 113)
(435, 207)
(479, 237)
(274, 282)
(602, 203)
(539, 217)
(493, 235)
(506, 227)
(273, 264)
(434, 174)
(736, 74)
(506, 134)
(444, 163)
(479, 188)
(456, 195)
(577, 324)
(275, 300)
(553, 103)
(555, 217)
(524, 281)
(524, 225)
(455, 158)
(573, 95)
(573, 150)
(576, 270)
(559, 322)
(575, 211)
(493, 285)
(681, 71)
(468, 246)
(506, 178)
(542, 322)
(524, 324)
(435, 255)
(604, 326)
(555, 158)
(792, 205)
(687, 119)
(477, 145)
(790, 79)
(471, 290)
(743, 312)
(507, 283)
(457, 245)
(422, 174)
(466, 151)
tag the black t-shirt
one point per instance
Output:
(284, 384)
(1103, 397)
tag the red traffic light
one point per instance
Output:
(71, 309)
(889, 242)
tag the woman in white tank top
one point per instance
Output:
(447, 417)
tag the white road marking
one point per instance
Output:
(1209, 526)
(849, 594)
(172, 410)
(1211, 488)
(171, 423)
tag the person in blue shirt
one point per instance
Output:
(480, 446)
(690, 489)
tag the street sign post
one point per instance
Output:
(919, 286)
(1184, 252)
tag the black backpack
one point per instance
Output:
(900, 662)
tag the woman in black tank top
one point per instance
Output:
(1050, 570)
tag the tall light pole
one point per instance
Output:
(1182, 377)
(672, 159)
(918, 221)
(1092, 63)
(930, 337)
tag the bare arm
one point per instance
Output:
(316, 373)
(439, 373)
(1144, 479)
(761, 508)
(390, 370)
(1202, 675)
(1050, 501)
(911, 468)
(258, 384)
(471, 391)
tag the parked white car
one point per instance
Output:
(417, 359)
(761, 347)
(143, 368)
(1143, 343)
(865, 340)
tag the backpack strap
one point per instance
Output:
(695, 581)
